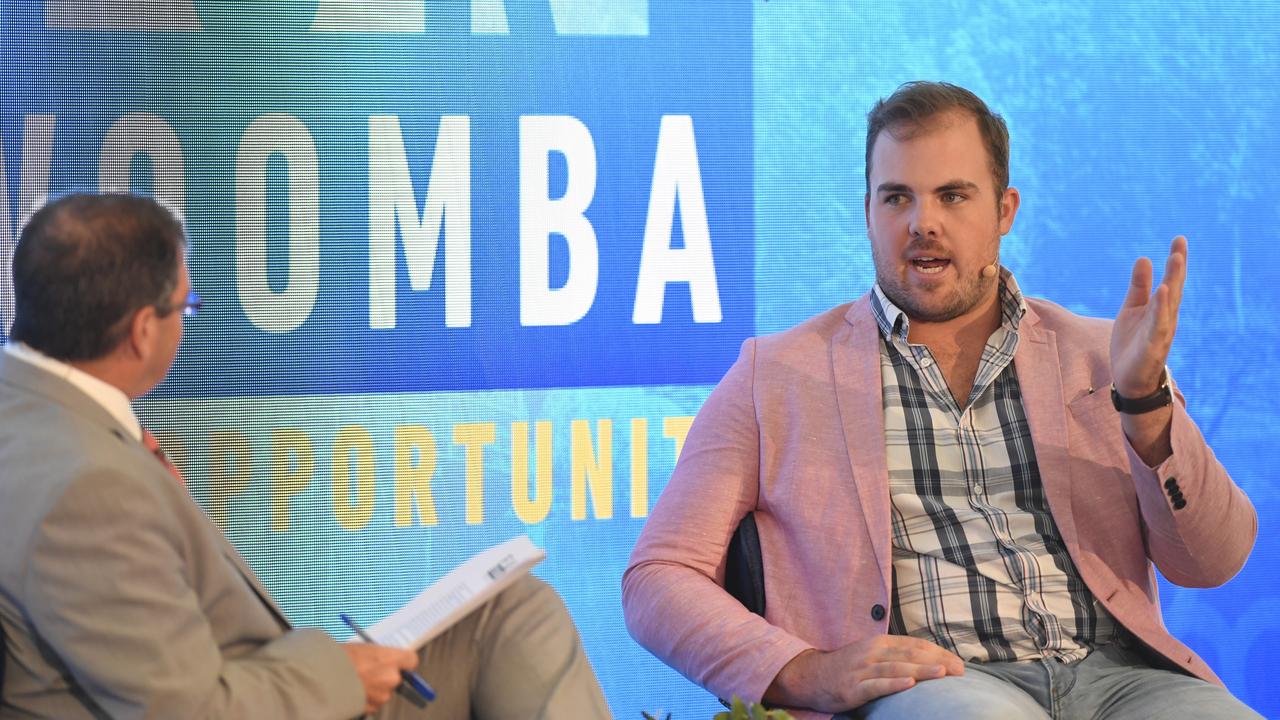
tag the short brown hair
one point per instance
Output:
(914, 103)
(84, 264)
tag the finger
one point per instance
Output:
(922, 652)
(873, 688)
(1139, 283)
(905, 669)
(1158, 328)
(1175, 274)
(1163, 314)
(384, 678)
(406, 660)
(378, 699)
(375, 697)
(1178, 249)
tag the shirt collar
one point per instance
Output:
(894, 323)
(111, 398)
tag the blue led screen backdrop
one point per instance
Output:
(471, 267)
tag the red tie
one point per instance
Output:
(153, 445)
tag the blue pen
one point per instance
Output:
(413, 679)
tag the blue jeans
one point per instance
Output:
(1114, 682)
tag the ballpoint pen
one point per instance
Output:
(424, 693)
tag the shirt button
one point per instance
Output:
(877, 612)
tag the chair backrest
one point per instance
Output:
(744, 568)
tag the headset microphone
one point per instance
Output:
(990, 271)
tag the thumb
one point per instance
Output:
(406, 659)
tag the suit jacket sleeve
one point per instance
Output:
(672, 592)
(1205, 542)
(111, 589)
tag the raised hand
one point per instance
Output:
(1144, 327)
(860, 672)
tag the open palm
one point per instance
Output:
(1144, 327)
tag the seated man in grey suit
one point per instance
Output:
(118, 598)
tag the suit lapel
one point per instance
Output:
(238, 562)
(1040, 379)
(855, 360)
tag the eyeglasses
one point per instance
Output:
(191, 306)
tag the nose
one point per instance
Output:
(924, 221)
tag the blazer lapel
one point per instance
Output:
(238, 562)
(855, 360)
(1040, 378)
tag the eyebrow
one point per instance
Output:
(950, 186)
(957, 185)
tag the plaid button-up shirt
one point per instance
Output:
(979, 565)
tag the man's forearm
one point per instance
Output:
(1148, 434)
(792, 684)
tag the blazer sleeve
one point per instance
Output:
(109, 591)
(1204, 540)
(673, 597)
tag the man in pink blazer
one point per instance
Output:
(962, 494)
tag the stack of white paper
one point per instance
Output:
(464, 589)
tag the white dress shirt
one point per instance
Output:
(111, 398)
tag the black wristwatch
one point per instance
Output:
(1136, 406)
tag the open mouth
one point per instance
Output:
(930, 265)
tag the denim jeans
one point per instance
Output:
(1114, 682)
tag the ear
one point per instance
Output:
(866, 211)
(1008, 209)
(142, 332)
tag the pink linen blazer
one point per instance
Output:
(795, 432)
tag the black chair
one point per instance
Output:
(744, 569)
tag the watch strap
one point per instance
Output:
(1162, 397)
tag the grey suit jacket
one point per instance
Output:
(118, 597)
